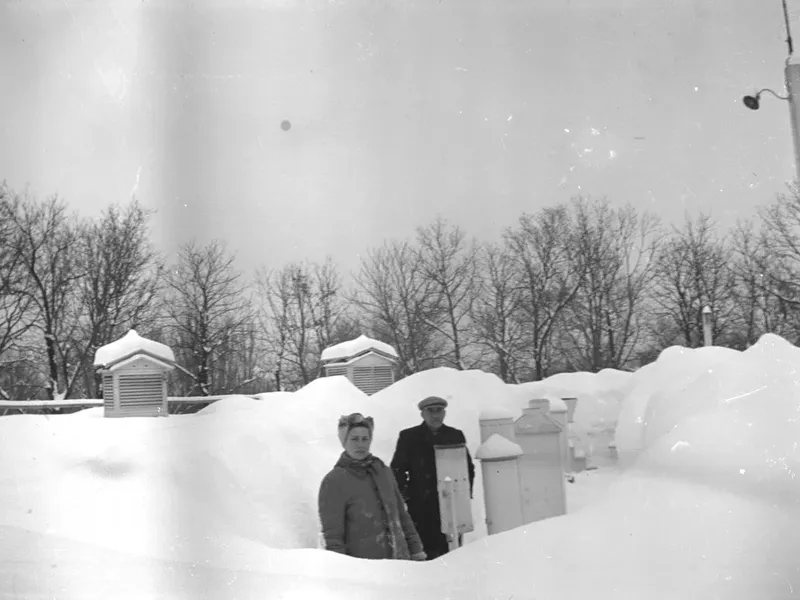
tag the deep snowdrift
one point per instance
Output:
(223, 503)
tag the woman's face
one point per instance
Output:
(357, 443)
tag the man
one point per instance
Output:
(414, 466)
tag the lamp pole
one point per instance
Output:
(707, 339)
(792, 81)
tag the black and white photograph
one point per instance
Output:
(393, 300)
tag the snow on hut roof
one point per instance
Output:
(497, 447)
(128, 345)
(357, 346)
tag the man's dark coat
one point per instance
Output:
(414, 466)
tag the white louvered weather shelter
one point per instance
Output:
(134, 371)
(369, 364)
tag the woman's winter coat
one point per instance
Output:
(362, 511)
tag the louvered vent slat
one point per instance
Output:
(372, 379)
(362, 377)
(136, 387)
(138, 391)
(382, 377)
(108, 392)
(334, 371)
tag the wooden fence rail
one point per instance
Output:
(176, 404)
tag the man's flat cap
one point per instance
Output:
(432, 401)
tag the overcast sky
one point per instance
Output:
(476, 110)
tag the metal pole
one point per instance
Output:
(792, 78)
(707, 326)
(792, 74)
(788, 29)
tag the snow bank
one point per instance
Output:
(649, 538)
(659, 389)
(225, 499)
(598, 394)
(497, 413)
(599, 397)
(709, 509)
(684, 384)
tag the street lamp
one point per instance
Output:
(752, 102)
(792, 82)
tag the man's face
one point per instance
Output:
(433, 416)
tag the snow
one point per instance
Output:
(222, 503)
(680, 381)
(129, 344)
(599, 395)
(497, 447)
(356, 346)
(497, 413)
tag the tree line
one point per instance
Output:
(581, 286)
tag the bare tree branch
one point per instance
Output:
(47, 241)
(497, 310)
(542, 254)
(694, 270)
(400, 302)
(450, 262)
(615, 248)
(206, 303)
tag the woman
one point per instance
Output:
(360, 506)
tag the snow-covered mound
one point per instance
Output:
(599, 401)
(650, 537)
(686, 383)
(142, 484)
(223, 502)
(657, 393)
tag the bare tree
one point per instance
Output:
(46, 238)
(762, 287)
(449, 261)
(327, 307)
(541, 250)
(781, 239)
(238, 366)
(400, 304)
(300, 315)
(274, 308)
(615, 248)
(206, 302)
(301, 323)
(778, 264)
(15, 305)
(496, 312)
(121, 282)
(694, 270)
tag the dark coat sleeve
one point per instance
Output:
(409, 529)
(401, 464)
(471, 469)
(332, 511)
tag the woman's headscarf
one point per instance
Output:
(347, 422)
